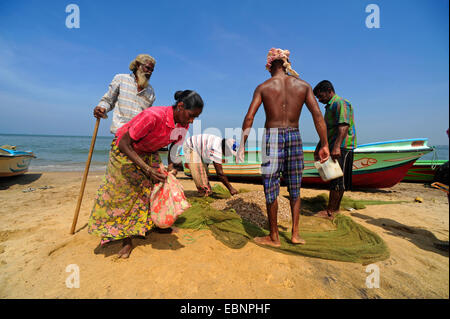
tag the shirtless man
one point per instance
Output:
(283, 96)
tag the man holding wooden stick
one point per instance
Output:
(128, 95)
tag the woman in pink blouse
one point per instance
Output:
(121, 207)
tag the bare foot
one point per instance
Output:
(267, 241)
(298, 240)
(325, 214)
(127, 247)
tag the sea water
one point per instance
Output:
(69, 153)
(61, 153)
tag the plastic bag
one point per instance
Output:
(167, 202)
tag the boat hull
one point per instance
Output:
(423, 171)
(13, 162)
(14, 165)
(382, 178)
(377, 165)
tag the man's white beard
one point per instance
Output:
(142, 80)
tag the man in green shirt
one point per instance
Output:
(341, 135)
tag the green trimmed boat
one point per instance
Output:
(423, 171)
(375, 165)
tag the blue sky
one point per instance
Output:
(396, 76)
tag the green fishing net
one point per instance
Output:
(341, 239)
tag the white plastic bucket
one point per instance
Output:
(329, 170)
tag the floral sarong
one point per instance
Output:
(121, 207)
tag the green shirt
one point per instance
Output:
(340, 111)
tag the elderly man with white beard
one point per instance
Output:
(128, 94)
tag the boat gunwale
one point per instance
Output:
(17, 155)
(393, 151)
(395, 141)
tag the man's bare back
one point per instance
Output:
(283, 97)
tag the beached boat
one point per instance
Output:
(13, 162)
(375, 165)
(423, 171)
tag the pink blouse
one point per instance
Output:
(153, 129)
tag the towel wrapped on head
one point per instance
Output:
(283, 55)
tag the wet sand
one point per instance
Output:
(36, 212)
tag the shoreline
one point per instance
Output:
(36, 248)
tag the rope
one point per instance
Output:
(434, 159)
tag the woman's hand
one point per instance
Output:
(172, 170)
(154, 175)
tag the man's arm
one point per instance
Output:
(108, 101)
(322, 148)
(343, 120)
(248, 122)
(223, 178)
(341, 135)
(316, 152)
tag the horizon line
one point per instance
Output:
(103, 136)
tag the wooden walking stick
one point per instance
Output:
(83, 183)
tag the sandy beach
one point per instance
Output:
(36, 212)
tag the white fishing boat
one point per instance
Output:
(13, 162)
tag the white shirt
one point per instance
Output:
(124, 98)
(208, 146)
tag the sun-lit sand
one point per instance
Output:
(36, 212)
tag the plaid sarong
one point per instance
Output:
(282, 153)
